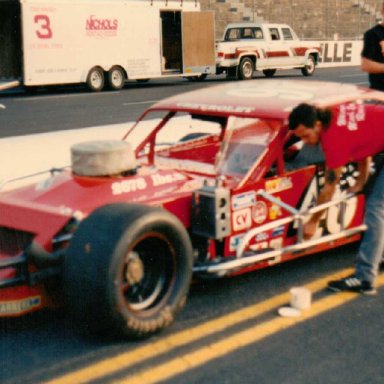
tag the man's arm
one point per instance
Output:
(332, 178)
(371, 66)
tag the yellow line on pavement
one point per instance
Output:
(232, 343)
(190, 335)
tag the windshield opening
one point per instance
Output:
(205, 144)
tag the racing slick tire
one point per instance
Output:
(310, 66)
(95, 79)
(116, 78)
(128, 270)
(269, 72)
(246, 69)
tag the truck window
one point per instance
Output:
(232, 34)
(287, 34)
(248, 33)
(259, 34)
(274, 33)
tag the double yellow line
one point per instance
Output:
(214, 350)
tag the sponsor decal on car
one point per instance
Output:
(244, 200)
(242, 219)
(278, 185)
(278, 231)
(259, 212)
(19, 306)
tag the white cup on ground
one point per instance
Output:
(300, 298)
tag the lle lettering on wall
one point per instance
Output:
(340, 53)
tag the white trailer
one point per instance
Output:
(104, 42)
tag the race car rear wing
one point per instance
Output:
(244, 258)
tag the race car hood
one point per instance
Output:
(44, 208)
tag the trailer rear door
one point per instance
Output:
(198, 36)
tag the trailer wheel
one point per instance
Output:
(246, 69)
(95, 79)
(116, 78)
(269, 72)
(128, 270)
(310, 66)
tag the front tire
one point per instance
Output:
(246, 69)
(310, 67)
(128, 270)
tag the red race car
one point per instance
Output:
(206, 184)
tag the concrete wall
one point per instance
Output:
(317, 20)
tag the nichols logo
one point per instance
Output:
(101, 27)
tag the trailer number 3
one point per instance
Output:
(43, 23)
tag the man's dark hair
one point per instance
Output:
(308, 115)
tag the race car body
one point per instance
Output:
(205, 184)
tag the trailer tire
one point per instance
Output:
(269, 72)
(310, 66)
(246, 69)
(128, 270)
(116, 78)
(95, 79)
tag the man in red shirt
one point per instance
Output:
(351, 132)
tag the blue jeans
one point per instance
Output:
(371, 250)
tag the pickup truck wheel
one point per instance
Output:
(309, 68)
(246, 69)
(269, 72)
(95, 79)
(116, 78)
(128, 270)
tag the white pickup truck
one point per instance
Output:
(247, 47)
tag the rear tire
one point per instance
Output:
(128, 270)
(116, 78)
(310, 67)
(95, 79)
(246, 69)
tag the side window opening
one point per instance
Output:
(274, 33)
(287, 34)
(258, 34)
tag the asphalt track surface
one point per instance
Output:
(230, 331)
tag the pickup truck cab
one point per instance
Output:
(247, 47)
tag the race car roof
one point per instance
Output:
(270, 98)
